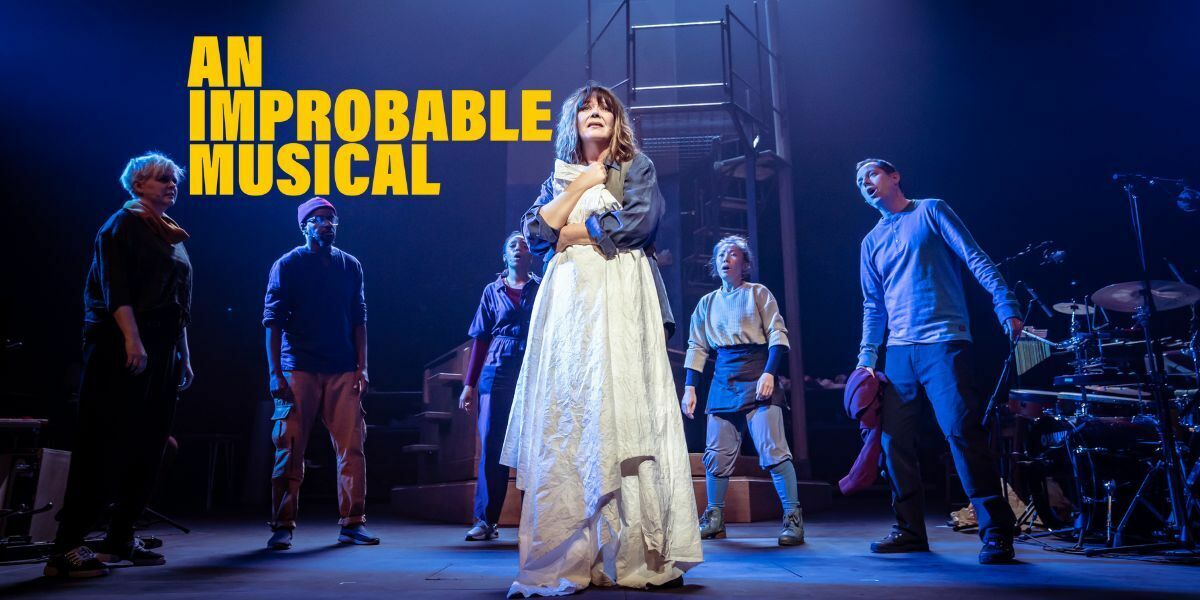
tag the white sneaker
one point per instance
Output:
(482, 532)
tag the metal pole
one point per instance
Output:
(787, 234)
(629, 66)
(587, 72)
(752, 194)
(758, 54)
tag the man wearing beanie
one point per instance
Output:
(315, 314)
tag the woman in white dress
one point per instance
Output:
(594, 434)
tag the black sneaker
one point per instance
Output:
(79, 563)
(357, 534)
(281, 539)
(897, 542)
(135, 552)
(997, 550)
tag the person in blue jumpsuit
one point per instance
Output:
(499, 330)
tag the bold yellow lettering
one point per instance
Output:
(312, 116)
(274, 107)
(321, 169)
(231, 115)
(205, 69)
(391, 124)
(289, 157)
(420, 173)
(532, 113)
(256, 175)
(429, 117)
(500, 133)
(245, 61)
(212, 169)
(351, 119)
(196, 103)
(343, 177)
(389, 171)
(466, 116)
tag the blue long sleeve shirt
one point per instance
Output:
(317, 300)
(911, 275)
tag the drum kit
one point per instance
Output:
(1089, 455)
(1109, 456)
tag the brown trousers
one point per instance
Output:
(332, 397)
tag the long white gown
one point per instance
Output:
(595, 432)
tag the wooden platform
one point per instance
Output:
(450, 502)
(751, 497)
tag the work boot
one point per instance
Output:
(793, 528)
(712, 523)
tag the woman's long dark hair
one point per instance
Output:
(623, 144)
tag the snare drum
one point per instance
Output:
(1031, 404)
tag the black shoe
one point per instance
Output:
(897, 542)
(997, 550)
(672, 584)
(357, 534)
(135, 552)
(281, 539)
(79, 563)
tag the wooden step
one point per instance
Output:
(444, 377)
(451, 502)
(435, 415)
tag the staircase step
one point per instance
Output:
(435, 415)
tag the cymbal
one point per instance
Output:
(1073, 308)
(1127, 297)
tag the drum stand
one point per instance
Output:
(1169, 462)
(1169, 521)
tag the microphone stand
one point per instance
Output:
(1157, 383)
(991, 415)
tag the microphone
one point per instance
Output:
(1036, 300)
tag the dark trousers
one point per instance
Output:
(124, 423)
(942, 371)
(492, 485)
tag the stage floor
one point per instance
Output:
(226, 558)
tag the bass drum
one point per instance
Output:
(1072, 466)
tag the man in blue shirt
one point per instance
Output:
(911, 273)
(315, 314)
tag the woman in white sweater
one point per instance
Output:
(741, 324)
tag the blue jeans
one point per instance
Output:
(942, 371)
(492, 484)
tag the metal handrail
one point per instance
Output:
(668, 25)
(680, 86)
(749, 31)
(729, 75)
(685, 105)
(592, 42)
